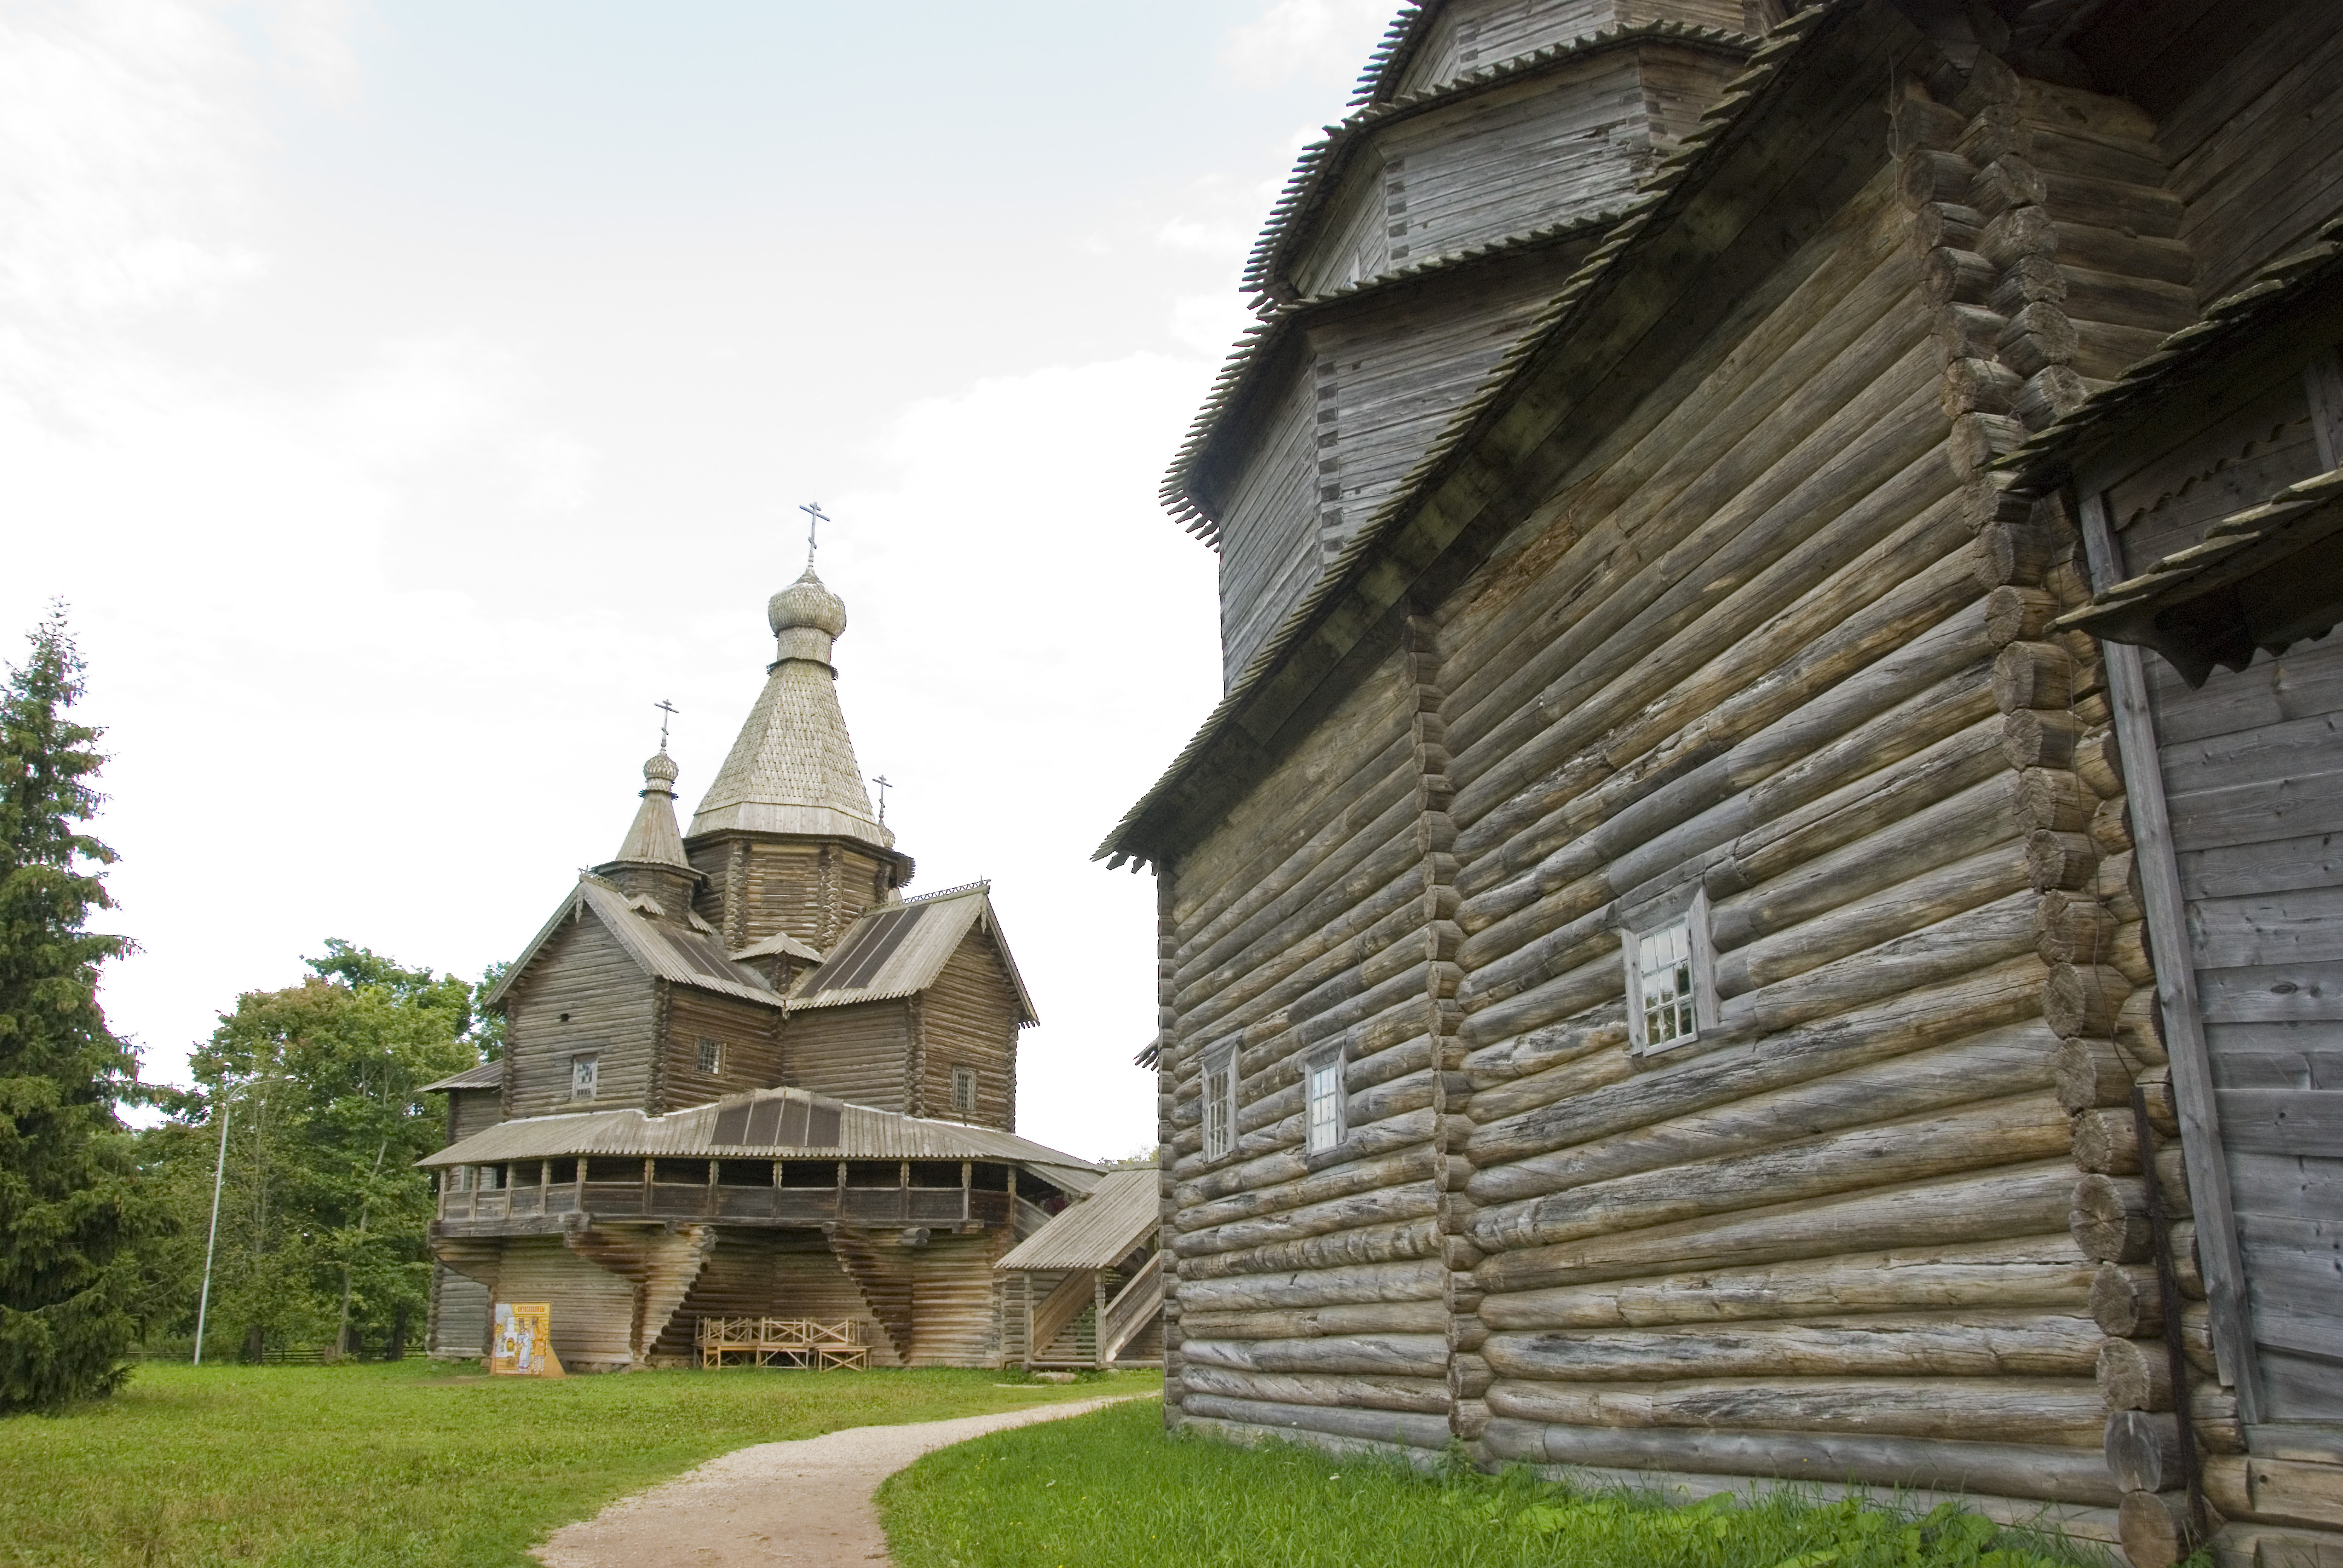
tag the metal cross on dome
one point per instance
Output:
(667, 710)
(883, 787)
(815, 517)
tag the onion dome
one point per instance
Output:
(806, 617)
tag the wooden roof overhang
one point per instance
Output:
(1318, 173)
(896, 951)
(1115, 1221)
(761, 1124)
(1790, 142)
(488, 1075)
(664, 949)
(1255, 363)
(2262, 578)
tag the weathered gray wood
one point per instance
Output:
(2056, 1472)
(1978, 1343)
(2047, 1410)
(2192, 1077)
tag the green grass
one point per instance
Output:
(1113, 1488)
(401, 1464)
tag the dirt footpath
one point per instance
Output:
(804, 1504)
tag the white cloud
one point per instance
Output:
(1312, 38)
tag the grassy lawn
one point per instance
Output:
(1113, 1488)
(401, 1464)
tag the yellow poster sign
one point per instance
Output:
(522, 1345)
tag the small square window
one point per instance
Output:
(1325, 1099)
(584, 1073)
(1671, 996)
(1220, 1105)
(964, 1091)
(712, 1056)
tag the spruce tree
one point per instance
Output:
(70, 1213)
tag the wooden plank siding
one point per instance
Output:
(749, 1038)
(968, 1019)
(1268, 512)
(585, 993)
(594, 1315)
(1474, 35)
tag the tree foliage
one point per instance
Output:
(320, 1201)
(71, 1211)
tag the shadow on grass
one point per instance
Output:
(1114, 1488)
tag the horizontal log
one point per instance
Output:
(1327, 1321)
(2033, 674)
(2073, 928)
(2099, 763)
(1977, 386)
(1422, 1395)
(2135, 1375)
(2157, 1529)
(1591, 1071)
(2084, 1000)
(1959, 944)
(2050, 394)
(1402, 1427)
(2039, 738)
(2143, 1450)
(1542, 1048)
(2110, 825)
(2014, 1057)
(2126, 1302)
(2054, 859)
(1934, 893)
(2090, 1072)
(2034, 1272)
(1999, 1132)
(1992, 1343)
(1380, 1173)
(2025, 1202)
(1379, 1243)
(2107, 1141)
(2110, 1219)
(2053, 797)
(2062, 1474)
(1907, 1020)
(2056, 1410)
(1414, 1281)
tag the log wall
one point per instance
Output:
(1780, 639)
(758, 884)
(967, 1018)
(593, 1309)
(612, 1011)
(750, 1040)
(860, 1053)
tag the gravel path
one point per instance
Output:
(804, 1504)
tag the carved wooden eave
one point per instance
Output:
(1790, 140)
(1258, 354)
(1318, 172)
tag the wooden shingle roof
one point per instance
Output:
(488, 1075)
(1101, 1230)
(899, 950)
(752, 1126)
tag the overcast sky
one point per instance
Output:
(406, 398)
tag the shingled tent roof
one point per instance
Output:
(899, 950)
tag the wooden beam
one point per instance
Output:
(2176, 987)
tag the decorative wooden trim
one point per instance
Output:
(2176, 988)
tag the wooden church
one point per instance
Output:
(1761, 902)
(745, 1077)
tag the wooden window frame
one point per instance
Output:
(964, 1103)
(590, 1078)
(712, 1056)
(1219, 1103)
(1692, 913)
(1323, 1073)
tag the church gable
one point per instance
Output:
(968, 1019)
(579, 993)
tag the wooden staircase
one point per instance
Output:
(884, 1281)
(660, 1263)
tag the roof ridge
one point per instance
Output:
(981, 885)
